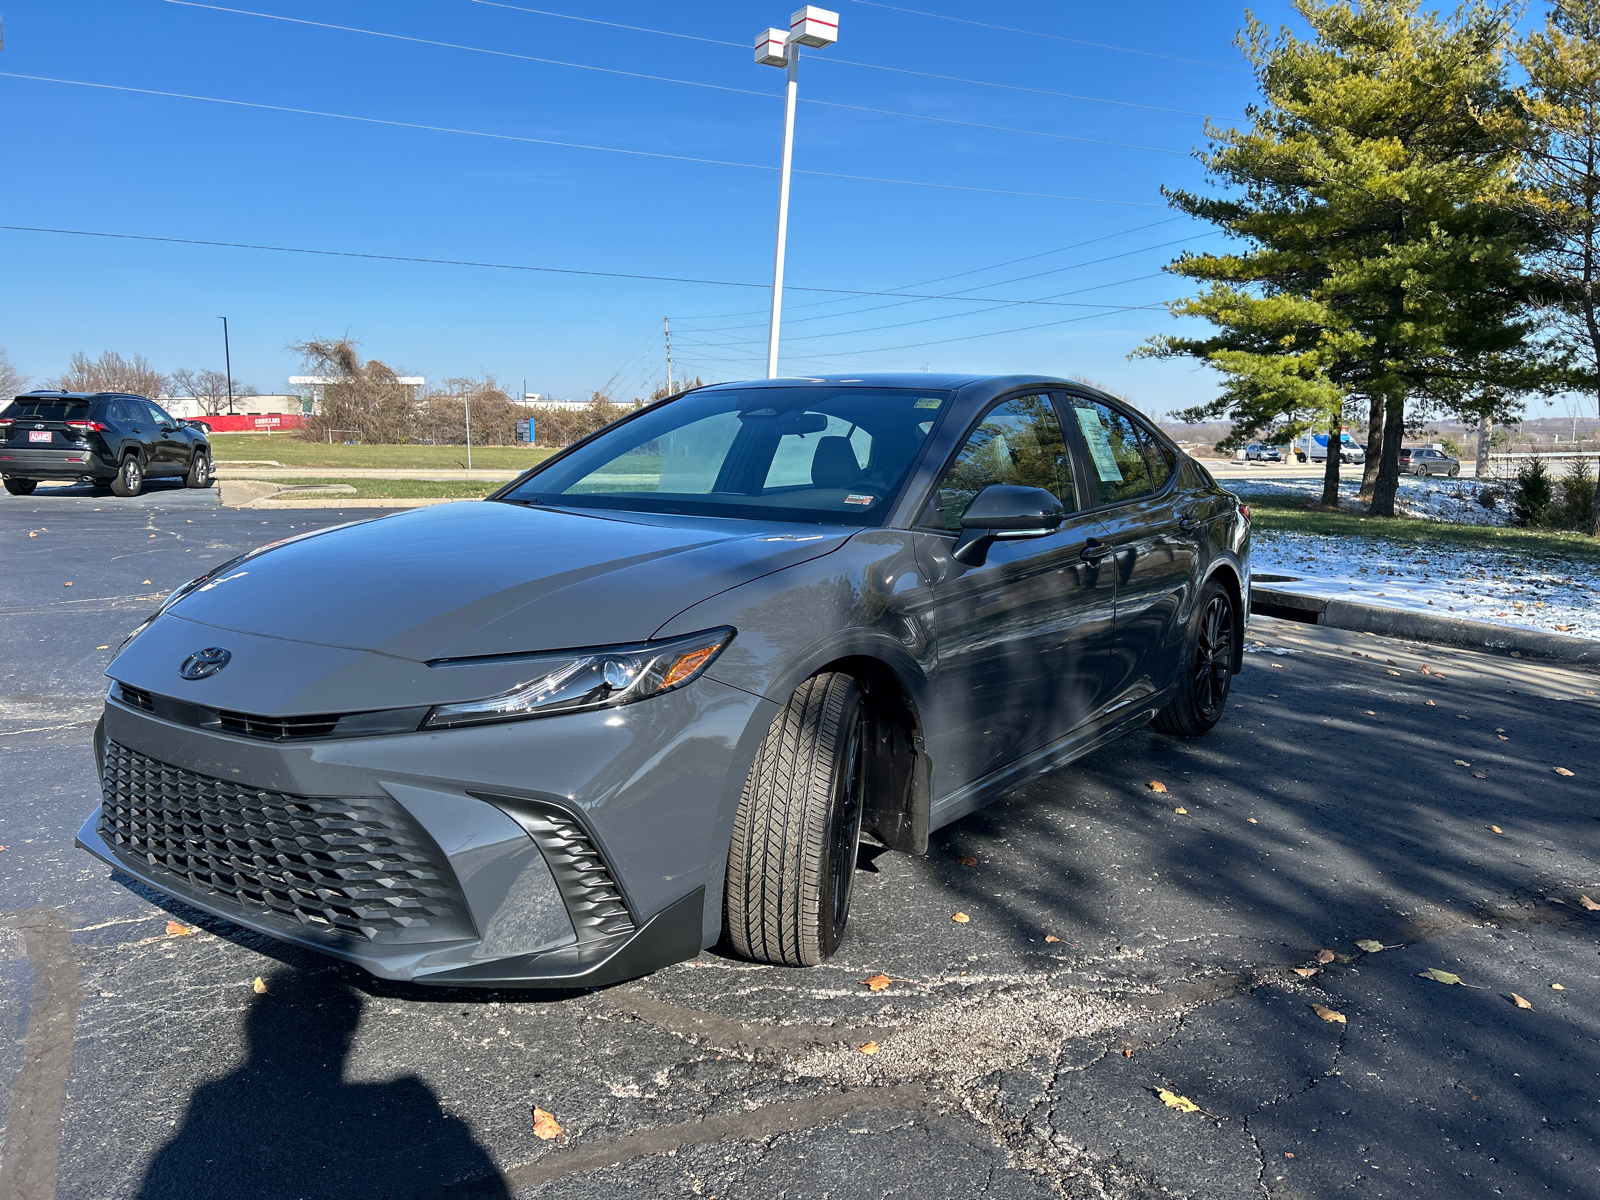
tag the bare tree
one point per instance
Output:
(112, 373)
(562, 427)
(12, 380)
(364, 397)
(208, 389)
(443, 412)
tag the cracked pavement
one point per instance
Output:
(1329, 808)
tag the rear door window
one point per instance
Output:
(1128, 459)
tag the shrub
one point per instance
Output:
(1577, 505)
(1533, 495)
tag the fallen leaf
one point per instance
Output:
(1288, 1153)
(1564, 771)
(1370, 945)
(32, 534)
(1589, 904)
(1479, 775)
(878, 982)
(961, 918)
(102, 647)
(147, 581)
(68, 584)
(1181, 811)
(868, 1048)
(176, 930)
(1496, 829)
(1499, 730)
(1440, 976)
(1391, 672)
(1050, 937)
(1325, 956)
(1275, 667)
(967, 860)
(1332, 1016)
(1157, 786)
(1305, 972)
(1127, 1054)
(1173, 1100)
(1430, 704)
(1519, 1001)
(1503, 737)
(1556, 987)
(1461, 762)
(545, 1127)
(1252, 820)
(259, 986)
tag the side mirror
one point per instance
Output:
(1005, 512)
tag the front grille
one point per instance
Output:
(358, 868)
(137, 697)
(277, 728)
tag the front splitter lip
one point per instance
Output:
(671, 936)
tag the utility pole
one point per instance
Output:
(809, 26)
(227, 363)
(466, 407)
(666, 324)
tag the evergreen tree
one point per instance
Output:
(1376, 192)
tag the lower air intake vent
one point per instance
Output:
(356, 868)
(593, 899)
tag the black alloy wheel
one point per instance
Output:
(1207, 672)
(21, 487)
(130, 477)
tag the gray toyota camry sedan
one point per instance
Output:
(651, 695)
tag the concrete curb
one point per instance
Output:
(1421, 627)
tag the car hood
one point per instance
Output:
(479, 578)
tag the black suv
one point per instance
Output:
(99, 437)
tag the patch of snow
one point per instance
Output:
(1425, 497)
(1518, 588)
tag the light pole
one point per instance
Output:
(814, 27)
(227, 362)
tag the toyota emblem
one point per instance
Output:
(203, 664)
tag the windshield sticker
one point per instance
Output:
(1099, 439)
(855, 499)
(928, 402)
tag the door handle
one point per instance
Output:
(1094, 550)
(1186, 523)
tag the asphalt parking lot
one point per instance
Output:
(1122, 942)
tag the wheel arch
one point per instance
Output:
(1226, 573)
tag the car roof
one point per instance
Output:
(54, 394)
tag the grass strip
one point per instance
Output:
(292, 451)
(1289, 514)
(392, 489)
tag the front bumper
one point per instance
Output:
(559, 852)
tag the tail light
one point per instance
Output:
(1244, 511)
(86, 426)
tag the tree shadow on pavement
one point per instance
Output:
(287, 1123)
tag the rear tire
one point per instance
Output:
(130, 478)
(199, 471)
(1207, 672)
(793, 857)
(21, 487)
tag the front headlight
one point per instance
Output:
(586, 679)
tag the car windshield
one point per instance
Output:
(819, 454)
(48, 410)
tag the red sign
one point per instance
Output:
(252, 423)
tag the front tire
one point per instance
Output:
(21, 487)
(1455, 471)
(130, 478)
(199, 471)
(1207, 672)
(792, 862)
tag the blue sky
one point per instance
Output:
(87, 158)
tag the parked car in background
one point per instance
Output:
(199, 423)
(1425, 460)
(101, 437)
(651, 693)
(1257, 452)
(1315, 448)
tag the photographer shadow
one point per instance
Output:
(287, 1124)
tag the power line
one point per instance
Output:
(846, 62)
(885, 112)
(509, 137)
(454, 262)
(1054, 37)
(958, 275)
